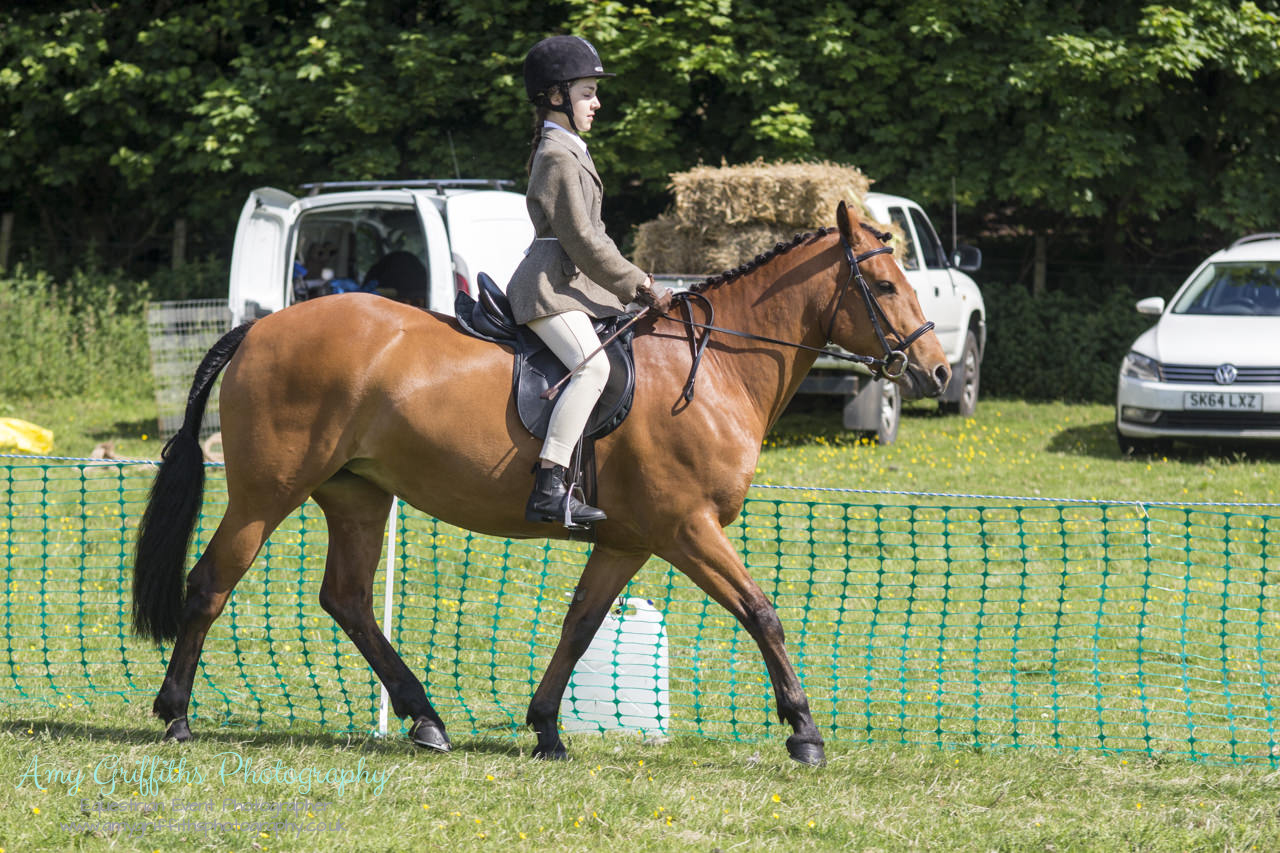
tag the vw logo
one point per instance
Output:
(1225, 374)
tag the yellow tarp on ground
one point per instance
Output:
(19, 436)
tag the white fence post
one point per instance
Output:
(393, 522)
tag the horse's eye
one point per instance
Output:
(885, 285)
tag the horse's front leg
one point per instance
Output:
(355, 511)
(707, 556)
(606, 573)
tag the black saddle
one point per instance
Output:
(537, 368)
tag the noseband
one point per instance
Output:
(891, 366)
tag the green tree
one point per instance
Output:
(1133, 126)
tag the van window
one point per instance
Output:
(378, 249)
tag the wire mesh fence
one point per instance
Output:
(179, 333)
(944, 621)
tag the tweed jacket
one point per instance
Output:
(572, 264)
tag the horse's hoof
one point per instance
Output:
(429, 735)
(177, 731)
(551, 753)
(805, 752)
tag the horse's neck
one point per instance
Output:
(782, 300)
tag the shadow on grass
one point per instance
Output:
(1095, 440)
(124, 430)
(395, 743)
(1099, 442)
(817, 420)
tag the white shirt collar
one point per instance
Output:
(582, 143)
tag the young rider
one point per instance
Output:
(572, 272)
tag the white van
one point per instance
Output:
(417, 242)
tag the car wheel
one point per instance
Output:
(890, 413)
(1132, 446)
(970, 374)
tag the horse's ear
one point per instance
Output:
(844, 221)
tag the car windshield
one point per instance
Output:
(1242, 287)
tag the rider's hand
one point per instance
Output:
(658, 300)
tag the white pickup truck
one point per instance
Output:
(413, 241)
(948, 297)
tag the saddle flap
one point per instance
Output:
(537, 369)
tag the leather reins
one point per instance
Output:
(891, 366)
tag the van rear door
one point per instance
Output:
(490, 232)
(440, 283)
(259, 280)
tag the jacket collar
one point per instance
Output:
(558, 137)
(577, 140)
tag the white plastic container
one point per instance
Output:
(621, 682)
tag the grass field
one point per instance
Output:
(685, 794)
(1057, 450)
(688, 792)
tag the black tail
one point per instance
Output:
(164, 536)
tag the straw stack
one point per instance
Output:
(724, 216)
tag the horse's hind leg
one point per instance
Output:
(606, 573)
(230, 552)
(356, 512)
(706, 556)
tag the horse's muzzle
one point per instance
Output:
(921, 382)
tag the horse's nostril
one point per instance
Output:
(942, 374)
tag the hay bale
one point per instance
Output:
(723, 217)
(728, 247)
(662, 247)
(797, 195)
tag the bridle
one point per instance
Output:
(894, 363)
(891, 366)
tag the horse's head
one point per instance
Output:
(876, 312)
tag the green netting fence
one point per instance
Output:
(935, 620)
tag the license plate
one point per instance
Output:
(1222, 400)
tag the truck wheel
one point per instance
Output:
(890, 399)
(968, 374)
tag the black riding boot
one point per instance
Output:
(547, 503)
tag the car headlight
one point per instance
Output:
(1138, 366)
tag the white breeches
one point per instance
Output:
(571, 337)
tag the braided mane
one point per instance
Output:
(760, 259)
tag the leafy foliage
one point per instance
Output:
(1059, 346)
(1138, 127)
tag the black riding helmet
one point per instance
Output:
(554, 63)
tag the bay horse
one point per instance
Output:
(353, 399)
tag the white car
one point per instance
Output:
(1210, 367)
